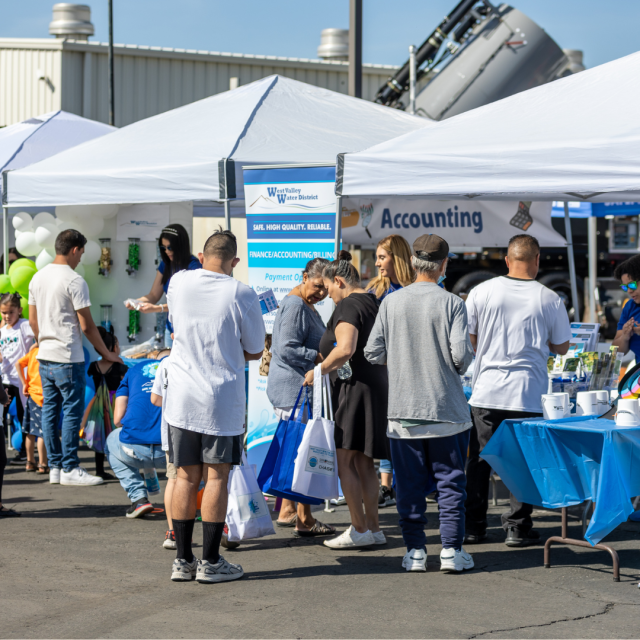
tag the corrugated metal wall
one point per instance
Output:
(148, 80)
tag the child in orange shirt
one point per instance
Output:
(32, 423)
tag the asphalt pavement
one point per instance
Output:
(74, 567)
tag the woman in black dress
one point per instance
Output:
(359, 400)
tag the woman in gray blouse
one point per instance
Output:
(296, 339)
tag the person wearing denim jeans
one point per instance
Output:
(59, 314)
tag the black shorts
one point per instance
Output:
(187, 448)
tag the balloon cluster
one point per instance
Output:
(17, 280)
(37, 236)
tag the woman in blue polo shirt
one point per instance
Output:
(175, 250)
(628, 335)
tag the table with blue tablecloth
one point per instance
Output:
(561, 463)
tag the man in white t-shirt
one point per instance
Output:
(59, 314)
(514, 322)
(217, 324)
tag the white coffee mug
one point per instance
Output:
(587, 403)
(603, 401)
(628, 414)
(564, 397)
(552, 406)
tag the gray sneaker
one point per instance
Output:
(183, 571)
(221, 571)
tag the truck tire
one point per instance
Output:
(560, 283)
(471, 280)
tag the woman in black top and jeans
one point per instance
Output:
(112, 372)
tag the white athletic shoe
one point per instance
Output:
(54, 476)
(183, 571)
(79, 477)
(415, 560)
(351, 539)
(221, 571)
(452, 560)
(379, 537)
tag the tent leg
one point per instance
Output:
(338, 225)
(593, 264)
(572, 264)
(5, 238)
(227, 216)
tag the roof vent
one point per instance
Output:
(334, 44)
(71, 21)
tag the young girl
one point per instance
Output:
(112, 372)
(16, 338)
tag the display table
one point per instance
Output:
(561, 463)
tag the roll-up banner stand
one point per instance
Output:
(291, 219)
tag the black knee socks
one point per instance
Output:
(183, 531)
(212, 534)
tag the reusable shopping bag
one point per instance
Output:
(276, 474)
(247, 512)
(97, 422)
(315, 470)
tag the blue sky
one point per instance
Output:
(603, 30)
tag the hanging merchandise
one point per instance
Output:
(106, 316)
(133, 261)
(134, 325)
(105, 262)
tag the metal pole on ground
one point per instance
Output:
(5, 238)
(338, 225)
(227, 215)
(593, 266)
(110, 61)
(572, 264)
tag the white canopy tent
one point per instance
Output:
(577, 138)
(196, 152)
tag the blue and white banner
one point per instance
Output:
(291, 216)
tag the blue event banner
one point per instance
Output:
(287, 254)
(291, 226)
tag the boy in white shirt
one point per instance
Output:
(218, 325)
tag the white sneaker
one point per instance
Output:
(54, 476)
(79, 477)
(415, 560)
(452, 560)
(222, 571)
(379, 537)
(351, 539)
(183, 571)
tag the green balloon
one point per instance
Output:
(20, 279)
(5, 285)
(24, 303)
(22, 262)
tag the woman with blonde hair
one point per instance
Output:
(393, 259)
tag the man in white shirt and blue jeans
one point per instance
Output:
(59, 313)
(514, 323)
(217, 323)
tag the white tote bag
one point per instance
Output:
(247, 512)
(315, 471)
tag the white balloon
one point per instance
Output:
(68, 212)
(60, 222)
(80, 270)
(16, 232)
(44, 217)
(44, 258)
(91, 227)
(46, 235)
(104, 211)
(91, 253)
(27, 244)
(22, 221)
(73, 224)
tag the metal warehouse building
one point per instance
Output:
(47, 74)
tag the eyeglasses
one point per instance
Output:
(168, 247)
(630, 286)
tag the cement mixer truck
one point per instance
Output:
(478, 54)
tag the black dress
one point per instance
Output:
(360, 403)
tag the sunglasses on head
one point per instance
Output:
(630, 286)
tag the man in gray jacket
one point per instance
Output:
(421, 334)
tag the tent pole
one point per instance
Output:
(412, 79)
(572, 264)
(593, 263)
(227, 215)
(338, 225)
(5, 238)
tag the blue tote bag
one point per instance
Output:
(276, 474)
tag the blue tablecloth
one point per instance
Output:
(560, 463)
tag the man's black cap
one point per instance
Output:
(431, 247)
